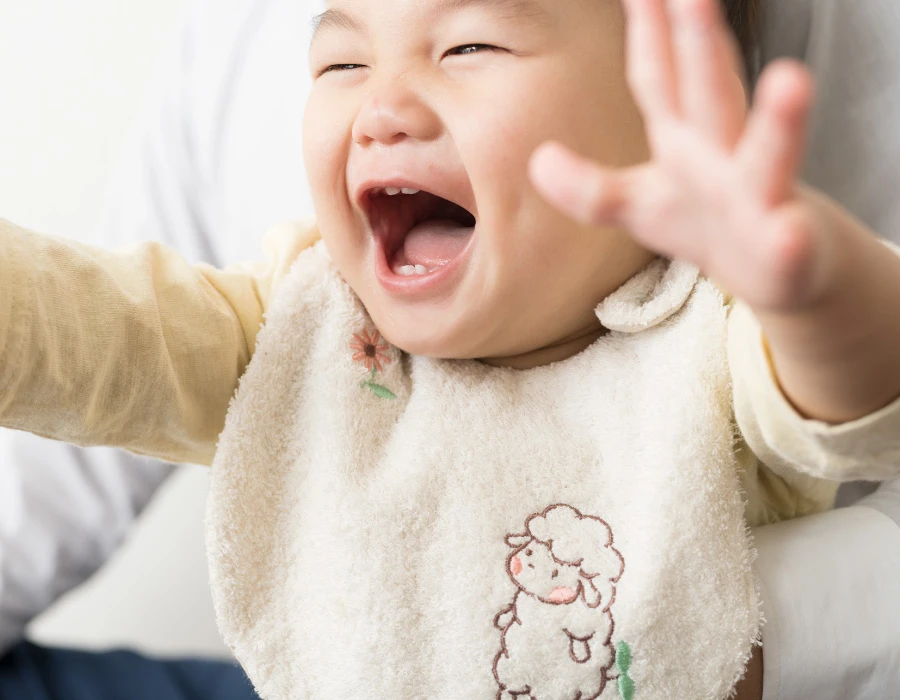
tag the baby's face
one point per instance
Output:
(450, 98)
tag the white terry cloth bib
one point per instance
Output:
(391, 527)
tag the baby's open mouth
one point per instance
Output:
(421, 232)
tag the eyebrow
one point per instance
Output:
(338, 19)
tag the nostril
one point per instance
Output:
(383, 121)
(394, 111)
(555, 573)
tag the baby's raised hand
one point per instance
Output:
(721, 187)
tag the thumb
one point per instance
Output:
(580, 188)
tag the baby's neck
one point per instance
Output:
(555, 352)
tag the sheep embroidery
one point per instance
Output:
(556, 635)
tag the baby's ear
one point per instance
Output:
(516, 541)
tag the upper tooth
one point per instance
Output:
(421, 269)
(408, 190)
(391, 191)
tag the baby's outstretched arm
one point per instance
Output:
(721, 191)
(134, 348)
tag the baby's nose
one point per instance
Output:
(393, 113)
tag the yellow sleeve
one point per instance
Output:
(134, 348)
(800, 450)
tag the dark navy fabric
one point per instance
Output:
(31, 672)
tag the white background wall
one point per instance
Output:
(72, 76)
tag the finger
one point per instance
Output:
(712, 93)
(772, 150)
(578, 187)
(651, 67)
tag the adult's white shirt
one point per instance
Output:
(217, 161)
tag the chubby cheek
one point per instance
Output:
(536, 265)
(325, 151)
(519, 260)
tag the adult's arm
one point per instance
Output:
(831, 582)
(64, 511)
(830, 586)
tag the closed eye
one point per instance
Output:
(468, 49)
(340, 67)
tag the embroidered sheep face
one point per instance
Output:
(535, 571)
(563, 555)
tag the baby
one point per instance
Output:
(490, 446)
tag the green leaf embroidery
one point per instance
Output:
(381, 392)
(623, 657)
(623, 663)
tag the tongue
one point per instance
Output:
(435, 242)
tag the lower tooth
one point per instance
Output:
(410, 270)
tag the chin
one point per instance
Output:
(419, 341)
(426, 337)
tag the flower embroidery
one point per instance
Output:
(370, 350)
